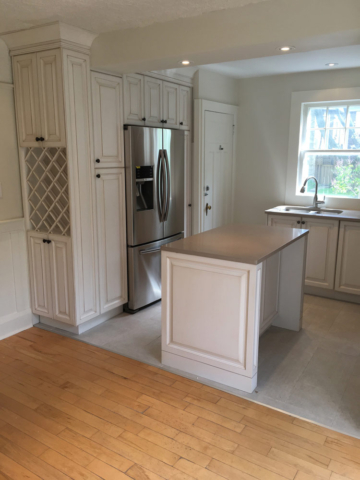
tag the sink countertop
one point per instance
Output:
(251, 244)
(351, 215)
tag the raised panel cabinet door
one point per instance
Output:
(321, 252)
(27, 99)
(291, 221)
(110, 196)
(153, 101)
(188, 191)
(185, 108)
(348, 259)
(61, 278)
(134, 111)
(107, 120)
(51, 98)
(40, 276)
(171, 104)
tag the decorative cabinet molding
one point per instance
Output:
(134, 110)
(185, 107)
(153, 101)
(107, 120)
(111, 215)
(348, 260)
(39, 99)
(171, 104)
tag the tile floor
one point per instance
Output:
(314, 374)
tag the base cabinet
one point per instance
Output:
(348, 261)
(111, 212)
(51, 274)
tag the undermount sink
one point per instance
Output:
(313, 210)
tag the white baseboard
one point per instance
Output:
(16, 322)
(210, 372)
(78, 330)
(333, 294)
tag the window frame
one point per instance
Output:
(300, 102)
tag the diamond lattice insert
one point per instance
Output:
(48, 193)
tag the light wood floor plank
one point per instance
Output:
(73, 410)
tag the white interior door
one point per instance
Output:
(218, 181)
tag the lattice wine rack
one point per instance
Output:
(48, 192)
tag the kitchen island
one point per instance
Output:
(221, 289)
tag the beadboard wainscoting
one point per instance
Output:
(15, 312)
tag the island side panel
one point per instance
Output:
(210, 318)
(291, 285)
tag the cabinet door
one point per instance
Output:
(27, 99)
(110, 196)
(171, 104)
(187, 178)
(321, 252)
(108, 120)
(185, 108)
(134, 111)
(61, 278)
(348, 260)
(290, 221)
(40, 276)
(51, 98)
(153, 101)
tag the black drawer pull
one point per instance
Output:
(97, 160)
(98, 175)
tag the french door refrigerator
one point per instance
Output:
(154, 173)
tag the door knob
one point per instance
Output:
(207, 208)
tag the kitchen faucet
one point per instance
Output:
(316, 202)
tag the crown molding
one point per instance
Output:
(44, 37)
(171, 77)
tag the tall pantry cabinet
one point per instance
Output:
(53, 100)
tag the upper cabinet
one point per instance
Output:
(134, 110)
(153, 101)
(156, 103)
(39, 99)
(108, 120)
(185, 108)
(171, 104)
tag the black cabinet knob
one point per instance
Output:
(37, 139)
(165, 121)
(189, 204)
(97, 160)
(303, 222)
(181, 123)
(42, 139)
(44, 240)
(143, 119)
(49, 241)
(298, 222)
(98, 175)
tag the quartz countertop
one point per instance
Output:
(349, 215)
(251, 244)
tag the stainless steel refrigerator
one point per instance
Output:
(154, 162)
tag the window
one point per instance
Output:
(330, 148)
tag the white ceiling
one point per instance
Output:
(345, 57)
(105, 15)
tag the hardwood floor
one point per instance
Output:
(71, 410)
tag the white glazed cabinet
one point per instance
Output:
(134, 105)
(185, 96)
(111, 216)
(321, 249)
(39, 99)
(51, 276)
(107, 120)
(153, 101)
(348, 261)
(171, 105)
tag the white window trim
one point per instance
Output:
(292, 195)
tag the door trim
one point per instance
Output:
(200, 107)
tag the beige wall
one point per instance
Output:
(215, 87)
(10, 203)
(263, 135)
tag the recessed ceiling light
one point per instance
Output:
(185, 62)
(331, 64)
(286, 48)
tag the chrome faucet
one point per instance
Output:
(316, 202)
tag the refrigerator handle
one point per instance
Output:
(159, 189)
(168, 183)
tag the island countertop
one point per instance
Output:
(251, 244)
